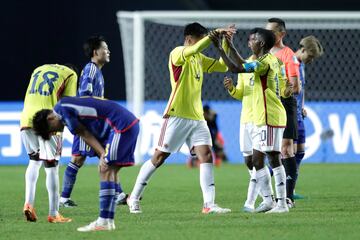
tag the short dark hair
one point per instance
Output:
(280, 23)
(40, 123)
(195, 29)
(91, 44)
(267, 36)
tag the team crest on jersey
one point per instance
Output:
(197, 76)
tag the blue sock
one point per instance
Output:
(298, 156)
(69, 179)
(107, 200)
(118, 188)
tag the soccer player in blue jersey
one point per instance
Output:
(310, 49)
(110, 129)
(91, 83)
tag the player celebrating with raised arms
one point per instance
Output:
(184, 118)
(269, 116)
(110, 129)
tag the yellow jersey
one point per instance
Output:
(47, 85)
(269, 85)
(243, 92)
(186, 66)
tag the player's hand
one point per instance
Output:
(215, 38)
(102, 162)
(228, 83)
(304, 113)
(228, 31)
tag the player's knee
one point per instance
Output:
(287, 150)
(78, 160)
(248, 162)
(50, 164)
(159, 158)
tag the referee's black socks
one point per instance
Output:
(290, 170)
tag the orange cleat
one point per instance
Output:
(58, 219)
(29, 213)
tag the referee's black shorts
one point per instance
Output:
(291, 130)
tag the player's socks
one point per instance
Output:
(52, 185)
(290, 170)
(69, 180)
(118, 189)
(298, 156)
(252, 190)
(31, 176)
(280, 185)
(263, 179)
(107, 200)
(146, 171)
(207, 182)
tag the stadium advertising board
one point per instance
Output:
(333, 133)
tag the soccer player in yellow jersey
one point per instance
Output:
(269, 116)
(47, 85)
(243, 92)
(183, 117)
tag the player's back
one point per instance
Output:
(97, 114)
(47, 85)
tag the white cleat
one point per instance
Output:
(248, 209)
(95, 226)
(279, 209)
(214, 208)
(264, 207)
(134, 206)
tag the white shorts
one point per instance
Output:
(267, 139)
(176, 131)
(47, 149)
(246, 138)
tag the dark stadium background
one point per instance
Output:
(39, 32)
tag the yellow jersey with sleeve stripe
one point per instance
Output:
(269, 85)
(186, 66)
(243, 92)
(47, 85)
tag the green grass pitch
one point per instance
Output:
(173, 201)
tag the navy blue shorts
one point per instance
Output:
(301, 133)
(80, 148)
(120, 147)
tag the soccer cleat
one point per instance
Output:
(264, 207)
(29, 212)
(68, 204)
(121, 200)
(58, 219)
(248, 209)
(134, 205)
(290, 204)
(214, 208)
(278, 209)
(95, 226)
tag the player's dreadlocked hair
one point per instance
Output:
(40, 123)
(195, 29)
